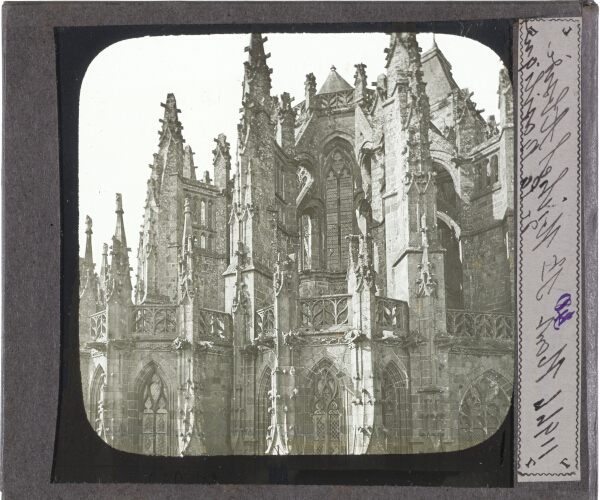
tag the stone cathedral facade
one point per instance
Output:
(344, 284)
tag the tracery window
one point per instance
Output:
(482, 411)
(154, 416)
(327, 419)
(338, 196)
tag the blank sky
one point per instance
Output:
(125, 84)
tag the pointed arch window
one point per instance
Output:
(338, 202)
(154, 416)
(195, 209)
(482, 411)
(203, 242)
(494, 169)
(327, 418)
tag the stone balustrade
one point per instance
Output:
(215, 324)
(265, 321)
(324, 313)
(98, 325)
(391, 315)
(154, 320)
(480, 325)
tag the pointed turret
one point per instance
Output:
(334, 83)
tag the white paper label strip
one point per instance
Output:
(549, 249)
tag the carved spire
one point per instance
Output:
(286, 123)
(104, 266)
(120, 229)
(88, 259)
(310, 91)
(186, 269)
(189, 170)
(257, 88)
(360, 82)
(505, 99)
(119, 276)
(222, 162)
(403, 60)
(171, 126)
(187, 225)
(257, 74)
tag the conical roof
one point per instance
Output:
(334, 83)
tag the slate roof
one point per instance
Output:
(334, 83)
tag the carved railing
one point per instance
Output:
(216, 324)
(391, 315)
(336, 100)
(265, 321)
(98, 325)
(322, 313)
(480, 325)
(154, 320)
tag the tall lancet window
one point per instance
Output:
(306, 242)
(327, 419)
(203, 213)
(209, 217)
(338, 196)
(154, 416)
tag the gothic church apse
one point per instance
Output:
(342, 285)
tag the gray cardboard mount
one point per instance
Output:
(32, 234)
